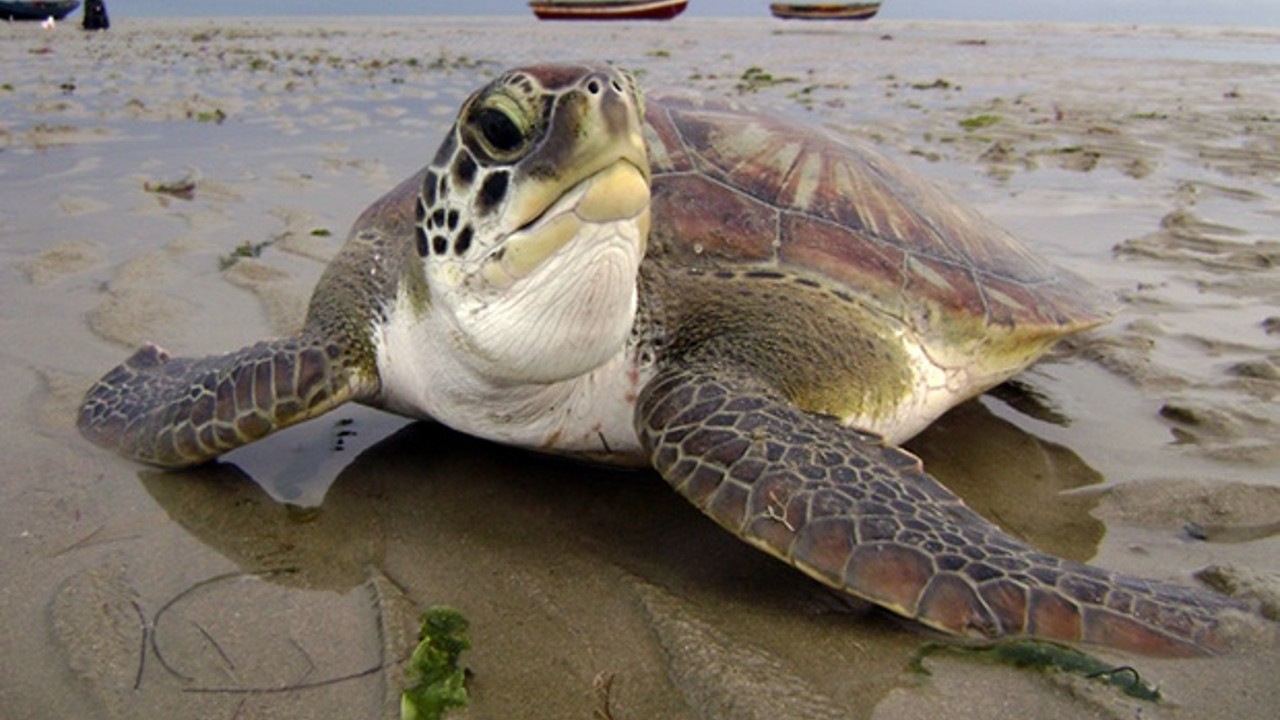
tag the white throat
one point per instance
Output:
(566, 318)
(545, 363)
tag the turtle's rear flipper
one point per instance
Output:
(184, 411)
(865, 518)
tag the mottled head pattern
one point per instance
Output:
(536, 204)
(518, 145)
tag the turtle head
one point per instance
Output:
(533, 220)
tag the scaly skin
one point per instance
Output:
(178, 412)
(184, 411)
(865, 518)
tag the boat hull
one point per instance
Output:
(37, 9)
(642, 10)
(824, 11)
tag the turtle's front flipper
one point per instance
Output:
(865, 517)
(183, 411)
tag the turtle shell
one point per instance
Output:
(732, 187)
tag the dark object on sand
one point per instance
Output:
(95, 15)
(37, 9)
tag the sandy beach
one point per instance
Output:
(185, 181)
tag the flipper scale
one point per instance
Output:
(865, 517)
(176, 412)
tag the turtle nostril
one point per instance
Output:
(617, 86)
(593, 86)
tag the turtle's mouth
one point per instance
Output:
(615, 194)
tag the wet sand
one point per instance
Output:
(1147, 159)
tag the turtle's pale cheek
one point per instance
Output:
(618, 193)
(524, 252)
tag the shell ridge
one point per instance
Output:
(800, 157)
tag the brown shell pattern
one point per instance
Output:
(732, 187)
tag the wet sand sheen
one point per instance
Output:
(137, 593)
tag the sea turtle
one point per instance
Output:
(758, 310)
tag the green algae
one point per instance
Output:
(436, 682)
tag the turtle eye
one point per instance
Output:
(499, 130)
(501, 125)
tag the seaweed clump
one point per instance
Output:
(436, 682)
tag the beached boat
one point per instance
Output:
(825, 11)
(607, 9)
(37, 9)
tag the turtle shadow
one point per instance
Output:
(580, 569)
(444, 491)
(1015, 479)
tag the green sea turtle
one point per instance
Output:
(757, 310)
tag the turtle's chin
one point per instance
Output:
(560, 299)
(617, 193)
